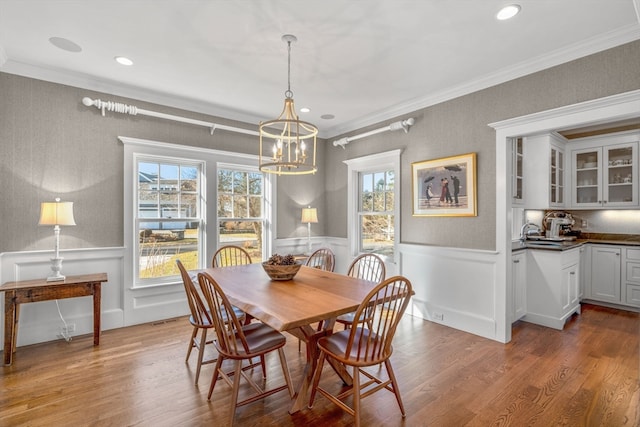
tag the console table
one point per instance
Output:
(17, 293)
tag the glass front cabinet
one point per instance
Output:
(605, 175)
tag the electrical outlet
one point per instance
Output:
(71, 327)
(438, 316)
(584, 224)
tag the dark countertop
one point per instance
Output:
(594, 238)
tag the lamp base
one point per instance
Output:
(56, 266)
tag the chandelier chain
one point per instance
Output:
(288, 93)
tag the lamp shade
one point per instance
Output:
(56, 213)
(309, 215)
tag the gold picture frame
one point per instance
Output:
(445, 187)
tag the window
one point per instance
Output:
(376, 212)
(373, 203)
(241, 218)
(168, 217)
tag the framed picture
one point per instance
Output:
(445, 187)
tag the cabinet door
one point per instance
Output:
(519, 283)
(620, 175)
(556, 177)
(605, 273)
(587, 175)
(517, 174)
(570, 285)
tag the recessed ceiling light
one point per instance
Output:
(65, 44)
(304, 110)
(327, 116)
(508, 12)
(123, 60)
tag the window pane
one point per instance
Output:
(255, 206)
(240, 207)
(168, 177)
(169, 205)
(188, 179)
(189, 205)
(378, 202)
(224, 181)
(255, 184)
(246, 234)
(240, 183)
(377, 234)
(161, 243)
(224, 206)
(148, 204)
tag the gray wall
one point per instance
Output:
(52, 145)
(460, 126)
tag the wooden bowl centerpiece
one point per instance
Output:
(281, 267)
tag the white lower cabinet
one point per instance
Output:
(632, 277)
(605, 273)
(519, 285)
(553, 286)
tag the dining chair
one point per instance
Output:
(368, 267)
(200, 319)
(230, 255)
(366, 344)
(323, 259)
(239, 343)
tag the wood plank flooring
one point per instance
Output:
(585, 375)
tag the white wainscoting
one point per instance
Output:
(40, 321)
(455, 287)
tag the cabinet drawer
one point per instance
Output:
(633, 295)
(633, 254)
(632, 272)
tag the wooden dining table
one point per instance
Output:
(293, 306)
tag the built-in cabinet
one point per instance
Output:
(544, 171)
(605, 273)
(631, 275)
(519, 284)
(604, 172)
(553, 286)
(614, 275)
(517, 174)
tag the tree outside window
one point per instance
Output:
(241, 211)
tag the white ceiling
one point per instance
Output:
(361, 61)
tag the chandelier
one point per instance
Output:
(288, 144)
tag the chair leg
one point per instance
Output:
(264, 367)
(236, 388)
(214, 379)
(191, 343)
(394, 383)
(356, 396)
(203, 344)
(285, 371)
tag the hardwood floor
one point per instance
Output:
(585, 375)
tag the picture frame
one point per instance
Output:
(430, 180)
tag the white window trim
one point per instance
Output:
(374, 162)
(212, 158)
(268, 192)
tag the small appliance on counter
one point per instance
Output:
(558, 226)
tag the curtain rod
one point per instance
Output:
(402, 124)
(133, 110)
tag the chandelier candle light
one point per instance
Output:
(56, 213)
(288, 144)
(309, 215)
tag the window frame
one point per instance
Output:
(211, 158)
(266, 205)
(389, 160)
(138, 158)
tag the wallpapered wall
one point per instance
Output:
(460, 126)
(52, 145)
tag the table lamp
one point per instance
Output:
(309, 215)
(56, 213)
